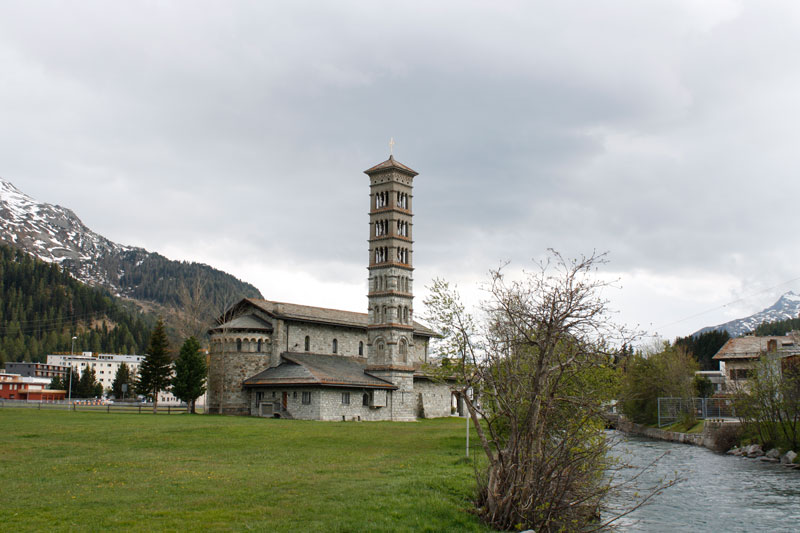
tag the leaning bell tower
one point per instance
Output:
(390, 339)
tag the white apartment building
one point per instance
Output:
(105, 368)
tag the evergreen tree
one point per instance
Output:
(123, 377)
(703, 347)
(189, 382)
(88, 387)
(56, 383)
(154, 372)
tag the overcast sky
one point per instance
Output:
(236, 134)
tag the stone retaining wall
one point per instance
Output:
(697, 439)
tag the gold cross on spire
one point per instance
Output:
(391, 146)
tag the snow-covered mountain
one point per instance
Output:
(787, 306)
(55, 234)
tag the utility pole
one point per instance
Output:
(71, 354)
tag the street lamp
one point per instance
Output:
(71, 353)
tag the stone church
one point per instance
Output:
(296, 361)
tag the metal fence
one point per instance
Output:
(670, 410)
(136, 408)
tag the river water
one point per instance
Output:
(719, 493)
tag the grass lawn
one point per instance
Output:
(85, 471)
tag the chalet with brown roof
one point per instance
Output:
(738, 356)
(289, 360)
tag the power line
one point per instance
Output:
(743, 298)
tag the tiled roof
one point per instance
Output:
(319, 370)
(244, 322)
(391, 163)
(753, 347)
(322, 315)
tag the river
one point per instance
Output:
(720, 493)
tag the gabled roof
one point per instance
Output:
(244, 323)
(391, 164)
(322, 370)
(322, 315)
(754, 347)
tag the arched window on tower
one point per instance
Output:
(258, 348)
(403, 350)
(238, 345)
(361, 348)
(405, 315)
(335, 346)
(380, 348)
(307, 343)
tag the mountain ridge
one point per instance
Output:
(787, 306)
(55, 234)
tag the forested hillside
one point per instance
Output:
(153, 277)
(780, 327)
(42, 308)
(703, 347)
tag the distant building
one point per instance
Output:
(716, 377)
(105, 367)
(37, 370)
(16, 387)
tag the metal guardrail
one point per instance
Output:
(670, 410)
(139, 408)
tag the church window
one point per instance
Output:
(403, 350)
(361, 348)
(238, 345)
(308, 343)
(294, 395)
(381, 349)
(335, 346)
(258, 348)
(306, 398)
(273, 394)
(405, 315)
(365, 400)
(345, 398)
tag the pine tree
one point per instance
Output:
(56, 383)
(154, 372)
(88, 387)
(189, 382)
(122, 377)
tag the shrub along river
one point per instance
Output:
(720, 493)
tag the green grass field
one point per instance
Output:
(74, 471)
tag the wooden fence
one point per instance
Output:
(90, 405)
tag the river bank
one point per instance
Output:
(705, 439)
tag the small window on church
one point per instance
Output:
(258, 349)
(365, 400)
(307, 398)
(345, 398)
(294, 395)
(308, 343)
(335, 346)
(360, 348)
(238, 345)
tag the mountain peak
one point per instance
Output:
(787, 306)
(56, 235)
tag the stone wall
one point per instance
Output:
(321, 337)
(434, 400)
(698, 439)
